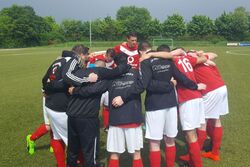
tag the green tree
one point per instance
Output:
(71, 30)
(200, 26)
(223, 25)
(240, 23)
(154, 28)
(24, 27)
(53, 35)
(234, 25)
(174, 26)
(134, 19)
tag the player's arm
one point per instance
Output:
(164, 55)
(206, 58)
(105, 73)
(91, 89)
(210, 55)
(69, 74)
(182, 79)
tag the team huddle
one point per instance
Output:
(179, 84)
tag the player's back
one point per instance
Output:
(208, 75)
(185, 65)
(160, 70)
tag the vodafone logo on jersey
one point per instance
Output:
(133, 57)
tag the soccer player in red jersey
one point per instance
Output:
(215, 103)
(130, 48)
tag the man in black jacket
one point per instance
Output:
(83, 111)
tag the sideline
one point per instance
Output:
(235, 53)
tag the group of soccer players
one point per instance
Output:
(178, 83)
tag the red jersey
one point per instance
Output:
(93, 59)
(208, 75)
(133, 55)
(185, 65)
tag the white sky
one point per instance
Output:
(160, 9)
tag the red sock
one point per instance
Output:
(210, 128)
(170, 153)
(195, 156)
(105, 116)
(113, 163)
(155, 158)
(217, 137)
(59, 152)
(202, 135)
(42, 130)
(137, 163)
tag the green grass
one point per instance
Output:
(21, 71)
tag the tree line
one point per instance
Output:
(20, 26)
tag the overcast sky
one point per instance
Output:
(160, 9)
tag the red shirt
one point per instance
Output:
(208, 75)
(133, 55)
(185, 65)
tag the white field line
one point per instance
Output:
(236, 53)
(19, 54)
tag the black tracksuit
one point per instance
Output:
(162, 70)
(56, 90)
(130, 111)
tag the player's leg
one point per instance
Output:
(58, 126)
(134, 143)
(216, 141)
(88, 130)
(73, 142)
(155, 122)
(155, 153)
(114, 160)
(105, 117)
(191, 118)
(115, 145)
(216, 103)
(201, 131)
(170, 132)
(194, 148)
(39, 132)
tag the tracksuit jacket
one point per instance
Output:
(55, 88)
(162, 70)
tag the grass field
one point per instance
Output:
(21, 71)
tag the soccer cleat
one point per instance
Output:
(184, 157)
(30, 145)
(51, 149)
(211, 156)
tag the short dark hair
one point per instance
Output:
(110, 52)
(80, 48)
(132, 34)
(144, 46)
(164, 48)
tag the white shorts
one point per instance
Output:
(118, 136)
(216, 103)
(105, 99)
(45, 114)
(58, 124)
(161, 122)
(192, 114)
